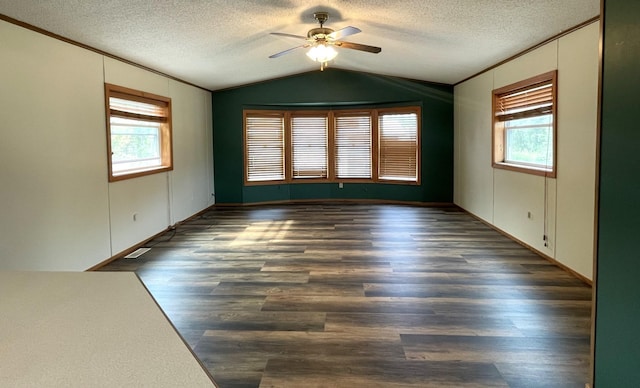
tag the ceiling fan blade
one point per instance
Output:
(358, 46)
(289, 35)
(281, 53)
(341, 33)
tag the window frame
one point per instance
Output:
(498, 140)
(165, 130)
(332, 115)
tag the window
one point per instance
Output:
(309, 146)
(376, 145)
(398, 145)
(264, 147)
(138, 133)
(353, 145)
(524, 126)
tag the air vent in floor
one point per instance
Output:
(137, 253)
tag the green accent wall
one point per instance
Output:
(334, 88)
(617, 330)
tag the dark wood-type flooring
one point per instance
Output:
(344, 295)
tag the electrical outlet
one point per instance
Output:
(135, 217)
(340, 185)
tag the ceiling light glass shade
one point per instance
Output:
(322, 53)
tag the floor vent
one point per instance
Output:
(137, 253)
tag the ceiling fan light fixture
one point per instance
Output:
(322, 53)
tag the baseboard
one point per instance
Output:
(141, 244)
(352, 201)
(126, 251)
(337, 201)
(553, 261)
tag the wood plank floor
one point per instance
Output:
(344, 295)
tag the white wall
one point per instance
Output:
(528, 206)
(473, 174)
(58, 210)
(578, 117)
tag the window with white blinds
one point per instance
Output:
(363, 146)
(524, 125)
(353, 146)
(138, 133)
(309, 146)
(398, 146)
(264, 147)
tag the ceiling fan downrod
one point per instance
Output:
(321, 17)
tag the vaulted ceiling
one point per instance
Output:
(218, 44)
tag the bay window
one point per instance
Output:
(371, 145)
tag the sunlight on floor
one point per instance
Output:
(263, 232)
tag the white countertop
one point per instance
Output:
(89, 329)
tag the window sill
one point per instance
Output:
(333, 181)
(138, 173)
(525, 169)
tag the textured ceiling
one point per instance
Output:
(218, 44)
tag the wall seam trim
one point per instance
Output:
(104, 80)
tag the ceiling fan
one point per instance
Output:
(321, 41)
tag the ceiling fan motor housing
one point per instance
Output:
(319, 33)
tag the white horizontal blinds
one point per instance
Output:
(264, 137)
(532, 101)
(309, 138)
(136, 107)
(353, 146)
(398, 146)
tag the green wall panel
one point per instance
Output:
(617, 338)
(335, 89)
